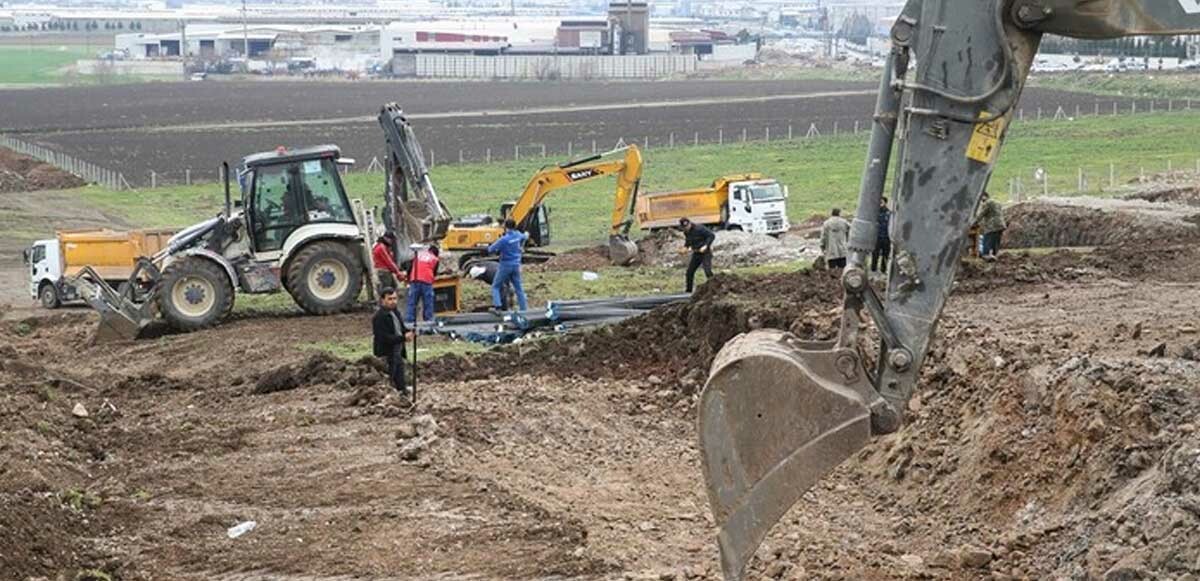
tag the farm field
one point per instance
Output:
(36, 65)
(179, 127)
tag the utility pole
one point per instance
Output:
(245, 38)
(183, 46)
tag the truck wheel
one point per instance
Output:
(196, 294)
(48, 295)
(325, 278)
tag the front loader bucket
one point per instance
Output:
(775, 417)
(121, 319)
(621, 250)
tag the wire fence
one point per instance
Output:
(1033, 183)
(87, 171)
(1083, 180)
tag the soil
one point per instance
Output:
(20, 173)
(161, 130)
(1058, 222)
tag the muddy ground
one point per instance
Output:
(1054, 436)
(173, 127)
(21, 173)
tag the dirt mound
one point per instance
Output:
(731, 248)
(1059, 222)
(674, 343)
(592, 258)
(20, 173)
(1175, 260)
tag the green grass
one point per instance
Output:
(1152, 84)
(37, 65)
(822, 173)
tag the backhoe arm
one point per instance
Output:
(413, 211)
(778, 414)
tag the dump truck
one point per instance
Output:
(749, 202)
(112, 254)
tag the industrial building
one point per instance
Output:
(215, 42)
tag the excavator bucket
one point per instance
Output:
(121, 319)
(775, 417)
(621, 250)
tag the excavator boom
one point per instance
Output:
(413, 211)
(776, 414)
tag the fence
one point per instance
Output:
(89, 172)
(1031, 183)
(1021, 184)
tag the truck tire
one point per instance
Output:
(48, 296)
(195, 294)
(325, 278)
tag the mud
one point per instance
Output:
(20, 173)
(1053, 436)
(1084, 222)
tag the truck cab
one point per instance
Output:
(758, 206)
(44, 260)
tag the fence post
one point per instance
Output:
(1045, 184)
(517, 152)
(1170, 105)
(570, 149)
(856, 127)
(721, 136)
(1080, 189)
(768, 135)
(672, 146)
(696, 138)
(1112, 175)
(789, 132)
(1168, 165)
(1077, 115)
(543, 150)
(835, 128)
(432, 159)
(646, 143)
(460, 156)
(1097, 113)
(1133, 108)
(1021, 114)
(489, 155)
(593, 147)
(1039, 117)
(744, 132)
(1142, 174)
(153, 179)
(1152, 105)
(1114, 108)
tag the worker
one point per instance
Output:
(390, 335)
(389, 274)
(420, 283)
(510, 246)
(883, 239)
(835, 239)
(486, 272)
(990, 220)
(699, 239)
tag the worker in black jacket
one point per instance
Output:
(390, 334)
(699, 239)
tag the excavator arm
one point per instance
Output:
(777, 414)
(413, 211)
(627, 169)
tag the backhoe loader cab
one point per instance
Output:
(295, 230)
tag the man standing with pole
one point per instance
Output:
(699, 239)
(390, 335)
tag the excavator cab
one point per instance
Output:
(777, 414)
(537, 223)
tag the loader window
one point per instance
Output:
(276, 210)
(323, 198)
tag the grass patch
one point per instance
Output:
(822, 173)
(1152, 84)
(37, 65)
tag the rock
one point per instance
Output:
(776, 569)
(914, 561)
(974, 557)
(1097, 428)
(79, 411)
(1159, 350)
(943, 560)
(654, 380)
(646, 526)
(1137, 331)
(1187, 330)
(406, 431)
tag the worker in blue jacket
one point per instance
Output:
(510, 247)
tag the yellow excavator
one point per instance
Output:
(777, 414)
(471, 236)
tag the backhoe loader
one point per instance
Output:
(294, 229)
(470, 237)
(777, 414)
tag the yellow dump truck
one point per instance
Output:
(749, 202)
(112, 254)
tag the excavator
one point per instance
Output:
(777, 414)
(471, 236)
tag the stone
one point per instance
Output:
(1159, 350)
(914, 561)
(79, 411)
(406, 431)
(974, 557)
(776, 569)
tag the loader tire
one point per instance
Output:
(196, 294)
(325, 278)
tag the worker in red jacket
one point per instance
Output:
(389, 274)
(420, 283)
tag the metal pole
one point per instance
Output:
(672, 140)
(1045, 184)
(153, 180)
(1114, 108)
(1097, 113)
(790, 132)
(696, 138)
(489, 155)
(768, 135)
(187, 176)
(1080, 189)
(744, 133)
(517, 152)
(570, 149)
(1112, 175)
(721, 136)
(1039, 117)
(835, 128)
